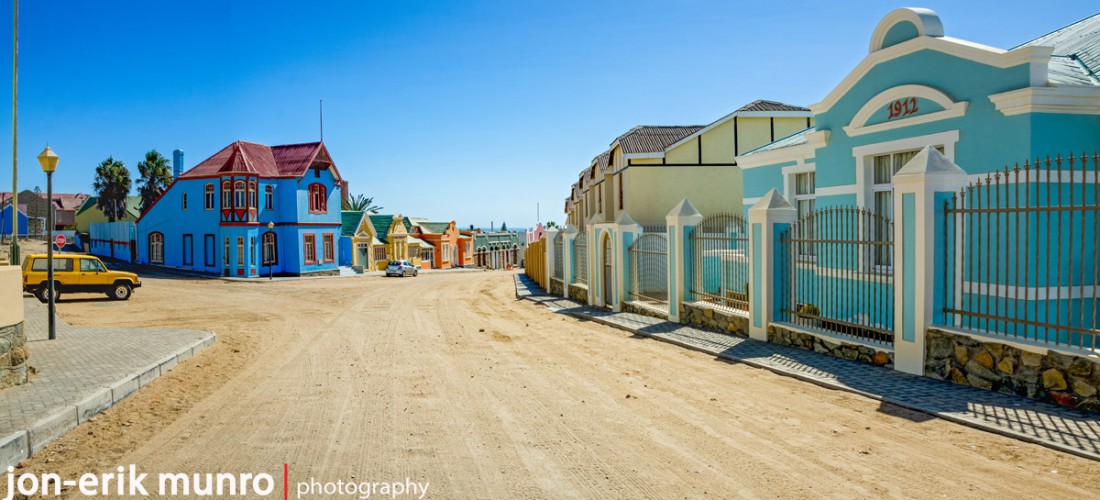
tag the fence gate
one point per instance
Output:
(719, 249)
(836, 273)
(558, 260)
(1022, 253)
(580, 258)
(649, 267)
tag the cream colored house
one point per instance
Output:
(649, 169)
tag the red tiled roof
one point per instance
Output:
(65, 201)
(291, 160)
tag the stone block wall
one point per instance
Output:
(714, 319)
(630, 307)
(1057, 378)
(13, 340)
(836, 348)
(578, 293)
(556, 287)
(13, 355)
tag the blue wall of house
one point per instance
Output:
(5, 222)
(290, 213)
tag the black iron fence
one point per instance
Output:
(648, 256)
(832, 274)
(1021, 252)
(580, 258)
(719, 253)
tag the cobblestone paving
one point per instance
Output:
(1033, 421)
(81, 362)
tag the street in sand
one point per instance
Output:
(447, 378)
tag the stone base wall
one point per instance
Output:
(578, 293)
(644, 311)
(714, 319)
(13, 355)
(1057, 378)
(852, 352)
(328, 272)
(556, 287)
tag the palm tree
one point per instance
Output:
(360, 203)
(111, 185)
(155, 177)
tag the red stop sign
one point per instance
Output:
(60, 241)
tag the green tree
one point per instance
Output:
(111, 186)
(551, 224)
(360, 203)
(503, 226)
(154, 176)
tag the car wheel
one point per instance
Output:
(416, 273)
(43, 292)
(120, 291)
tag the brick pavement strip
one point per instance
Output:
(1053, 426)
(82, 373)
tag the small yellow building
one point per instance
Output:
(649, 169)
(89, 213)
(378, 239)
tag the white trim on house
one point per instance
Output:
(1038, 57)
(925, 20)
(1065, 100)
(865, 167)
(799, 153)
(951, 109)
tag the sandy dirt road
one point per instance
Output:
(447, 378)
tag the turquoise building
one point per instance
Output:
(982, 107)
(214, 218)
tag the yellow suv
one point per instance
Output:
(75, 273)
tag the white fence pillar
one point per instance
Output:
(768, 218)
(920, 189)
(681, 222)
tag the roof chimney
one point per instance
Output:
(177, 163)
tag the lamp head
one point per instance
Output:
(271, 225)
(48, 160)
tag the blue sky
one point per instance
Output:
(466, 110)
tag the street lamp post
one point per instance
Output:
(48, 160)
(271, 256)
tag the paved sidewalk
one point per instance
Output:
(83, 372)
(1050, 425)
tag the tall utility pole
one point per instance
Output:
(13, 255)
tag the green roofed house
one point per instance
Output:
(377, 239)
(88, 213)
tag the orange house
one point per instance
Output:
(448, 249)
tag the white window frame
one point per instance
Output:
(865, 170)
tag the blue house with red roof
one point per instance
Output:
(215, 217)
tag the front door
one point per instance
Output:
(606, 271)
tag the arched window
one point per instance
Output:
(227, 195)
(208, 197)
(318, 199)
(156, 248)
(271, 254)
(269, 197)
(183, 201)
(239, 194)
(252, 194)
